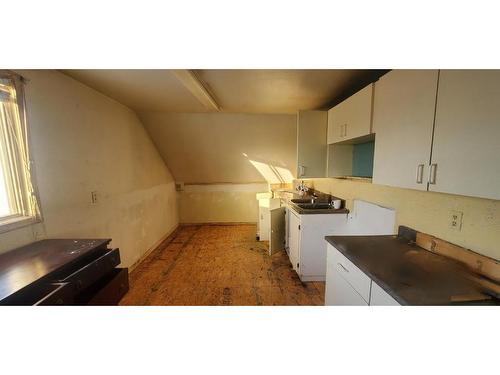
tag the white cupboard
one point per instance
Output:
(379, 297)
(403, 119)
(347, 285)
(294, 240)
(306, 241)
(339, 292)
(351, 118)
(466, 146)
(311, 144)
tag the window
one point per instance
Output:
(18, 203)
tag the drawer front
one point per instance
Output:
(93, 271)
(352, 274)
(58, 294)
(339, 292)
(110, 290)
(379, 297)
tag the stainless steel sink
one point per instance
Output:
(314, 206)
(301, 200)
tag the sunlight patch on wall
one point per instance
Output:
(271, 173)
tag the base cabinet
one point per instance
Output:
(379, 297)
(347, 285)
(306, 244)
(339, 292)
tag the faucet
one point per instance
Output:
(313, 198)
(302, 188)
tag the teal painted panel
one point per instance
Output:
(362, 159)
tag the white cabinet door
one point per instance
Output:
(351, 118)
(339, 292)
(466, 146)
(277, 240)
(403, 118)
(294, 240)
(311, 143)
(287, 230)
(379, 297)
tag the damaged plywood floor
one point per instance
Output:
(218, 265)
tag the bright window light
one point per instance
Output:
(18, 203)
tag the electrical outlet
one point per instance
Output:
(93, 197)
(456, 220)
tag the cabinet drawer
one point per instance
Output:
(108, 291)
(339, 292)
(379, 297)
(352, 274)
(92, 271)
(57, 294)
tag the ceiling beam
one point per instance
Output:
(195, 85)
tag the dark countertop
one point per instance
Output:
(410, 274)
(23, 266)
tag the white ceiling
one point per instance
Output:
(241, 91)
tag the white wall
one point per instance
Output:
(211, 147)
(218, 155)
(84, 141)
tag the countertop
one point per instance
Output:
(410, 274)
(23, 266)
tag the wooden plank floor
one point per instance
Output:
(218, 265)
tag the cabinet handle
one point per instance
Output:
(345, 269)
(432, 174)
(420, 173)
(302, 170)
(345, 130)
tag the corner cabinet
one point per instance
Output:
(311, 144)
(466, 146)
(351, 118)
(403, 119)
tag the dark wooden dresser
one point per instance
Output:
(62, 272)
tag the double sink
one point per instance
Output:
(307, 204)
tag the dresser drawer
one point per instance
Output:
(108, 291)
(57, 294)
(360, 282)
(91, 272)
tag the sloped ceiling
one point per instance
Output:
(255, 129)
(237, 91)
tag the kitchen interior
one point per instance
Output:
(250, 187)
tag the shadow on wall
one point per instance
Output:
(271, 172)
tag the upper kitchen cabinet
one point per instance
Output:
(352, 118)
(403, 119)
(466, 146)
(311, 144)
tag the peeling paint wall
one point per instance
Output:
(220, 203)
(428, 212)
(83, 141)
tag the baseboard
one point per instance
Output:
(222, 223)
(153, 248)
(312, 278)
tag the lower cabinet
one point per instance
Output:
(347, 285)
(306, 244)
(339, 292)
(379, 297)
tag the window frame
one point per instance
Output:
(19, 175)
